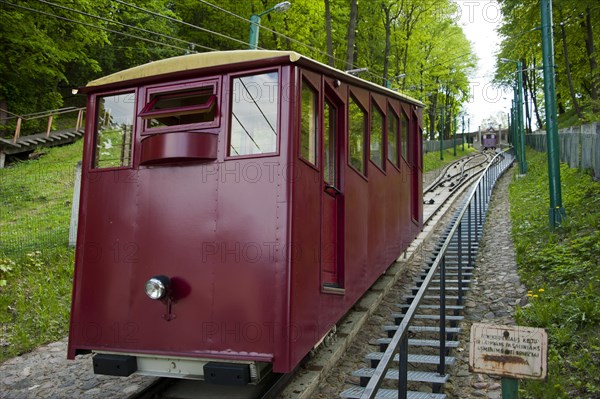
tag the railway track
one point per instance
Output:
(413, 358)
(171, 388)
(452, 179)
(451, 182)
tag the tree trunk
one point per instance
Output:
(351, 34)
(533, 91)
(446, 116)
(568, 70)
(560, 103)
(589, 44)
(432, 114)
(409, 29)
(3, 113)
(288, 42)
(526, 99)
(330, 58)
(388, 33)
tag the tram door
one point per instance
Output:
(332, 257)
(416, 143)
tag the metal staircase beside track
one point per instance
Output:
(417, 350)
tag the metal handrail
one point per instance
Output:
(400, 338)
(46, 114)
(40, 114)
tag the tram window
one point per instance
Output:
(376, 136)
(392, 134)
(330, 144)
(356, 133)
(404, 136)
(114, 130)
(421, 149)
(254, 114)
(309, 123)
(182, 107)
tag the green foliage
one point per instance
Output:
(561, 269)
(575, 46)
(37, 51)
(6, 266)
(140, 45)
(44, 57)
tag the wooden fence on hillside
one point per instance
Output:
(579, 146)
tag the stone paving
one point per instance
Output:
(46, 373)
(495, 291)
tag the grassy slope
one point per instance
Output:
(35, 265)
(431, 160)
(561, 270)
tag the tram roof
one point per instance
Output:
(221, 58)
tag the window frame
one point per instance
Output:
(404, 148)
(171, 90)
(383, 150)
(337, 154)
(319, 104)
(229, 101)
(392, 110)
(417, 132)
(96, 106)
(353, 98)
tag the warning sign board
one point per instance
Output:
(509, 351)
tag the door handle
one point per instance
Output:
(332, 190)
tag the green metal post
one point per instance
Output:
(254, 27)
(463, 133)
(557, 213)
(523, 163)
(510, 126)
(509, 135)
(515, 138)
(517, 131)
(454, 134)
(510, 388)
(442, 137)
(255, 22)
(469, 143)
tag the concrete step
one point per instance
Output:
(448, 307)
(373, 359)
(399, 316)
(433, 343)
(356, 393)
(421, 329)
(392, 374)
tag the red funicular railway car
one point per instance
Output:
(234, 206)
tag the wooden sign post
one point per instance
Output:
(511, 352)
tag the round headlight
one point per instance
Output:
(156, 287)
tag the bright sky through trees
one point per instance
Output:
(480, 20)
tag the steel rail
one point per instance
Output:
(443, 177)
(466, 177)
(461, 180)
